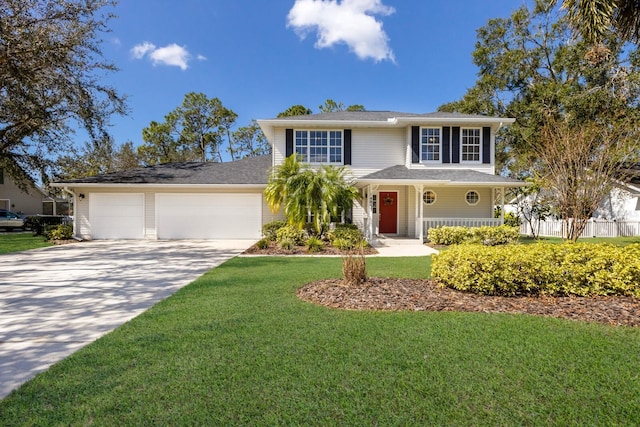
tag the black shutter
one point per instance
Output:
(415, 144)
(446, 144)
(455, 144)
(289, 142)
(347, 146)
(486, 145)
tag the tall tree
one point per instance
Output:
(194, 131)
(250, 141)
(295, 110)
(532, 68)
(596, 19)
(51, 64)
(95, 159)
(331, 106)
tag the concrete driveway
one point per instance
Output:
(56, 300)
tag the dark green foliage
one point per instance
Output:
(345, 236)
(58, 232)
(37, 223)
(270, 229)
(263, 243)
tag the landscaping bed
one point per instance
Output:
(391, 294)
(275, 249)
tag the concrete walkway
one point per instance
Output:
(398, 246)
(56, 300)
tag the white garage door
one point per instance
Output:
(116, 216)
(208, 216)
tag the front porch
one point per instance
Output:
(408, 212)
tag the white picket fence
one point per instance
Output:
(594, 228)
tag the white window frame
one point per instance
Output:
(423, 144)
(435, 197)
(306, 158)
(463, 144)
(466, 195)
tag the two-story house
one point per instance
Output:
(414, 171)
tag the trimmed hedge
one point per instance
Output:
(58, 232)
(487, 235)
(580, 269)
(290, 235)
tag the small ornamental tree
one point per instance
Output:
(302, 192)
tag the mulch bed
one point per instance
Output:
(274, 249)
(424, 295)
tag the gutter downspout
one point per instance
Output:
(75, 217)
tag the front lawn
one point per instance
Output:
(237, 347)
(16, 242)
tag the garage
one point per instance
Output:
(116, 215)
(208, 216)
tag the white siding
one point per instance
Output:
(451, 203)
(279, 146)
(376, 149)
(150, 231)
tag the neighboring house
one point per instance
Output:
(15, 199)
(414, 171)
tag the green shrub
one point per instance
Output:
(270, 229)
(492, 236)
(580, 269)
(448, 235)
(512, 220)
(343, 244)
(263, 243)
(286, 243)
(58, 232)
(348, 236)
(289, 232)
(38, 223)
(487, 235)
(314, 244)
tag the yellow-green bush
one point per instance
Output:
(580, 269)
(487, 235)
(289, 233)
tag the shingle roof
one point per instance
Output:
(450, 176)
(253, 170)
(377, 116)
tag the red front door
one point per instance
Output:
(388, 201)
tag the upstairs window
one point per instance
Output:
(319, 146)
(430, 144)
(471, 143)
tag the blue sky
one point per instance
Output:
(262, 56)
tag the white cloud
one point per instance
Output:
(172, 54)
(140, 50)
(352, 22)
(200, 57)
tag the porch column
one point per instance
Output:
(369, 212)
(502, 206)
(421, 214)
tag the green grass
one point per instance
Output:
(237, 347)
(16, 242)
(618, 241)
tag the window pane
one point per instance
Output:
(430, 144)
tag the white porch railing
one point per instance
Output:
(594, 228)
(459, 222)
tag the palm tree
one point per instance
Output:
(301, 191)
(595, 18)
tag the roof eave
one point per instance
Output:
(149, 185)
(447, 183)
